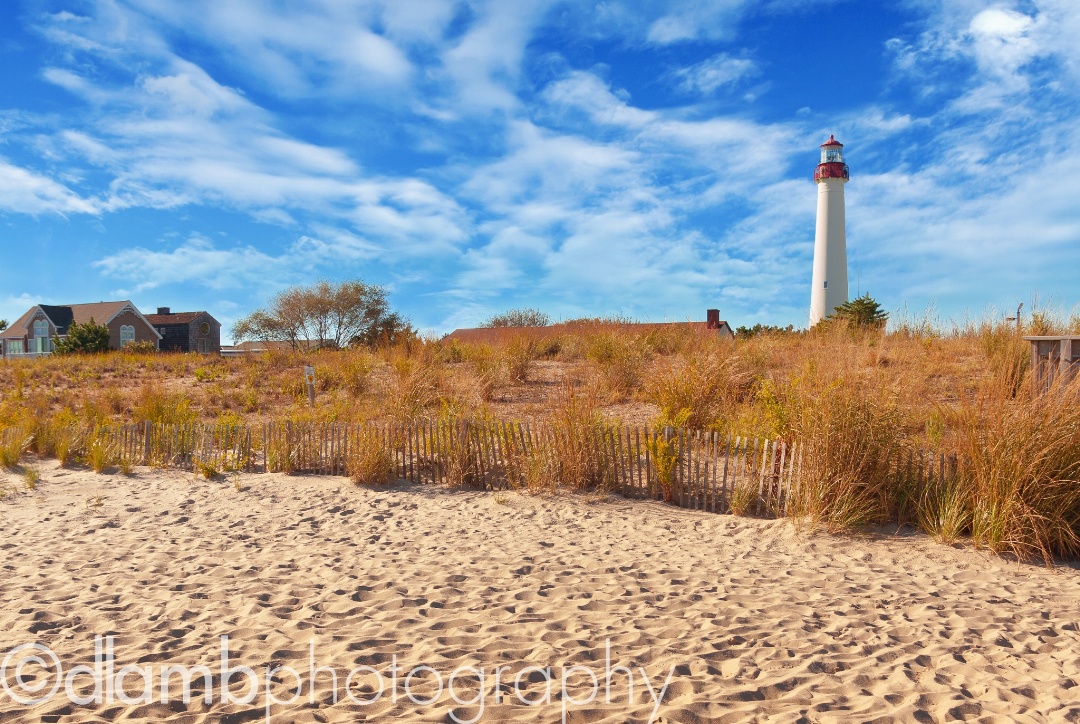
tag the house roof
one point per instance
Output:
(480, 335)
(60, 316)
(173, 318)
(100, 312)
(17, 329)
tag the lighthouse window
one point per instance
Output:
(832, 155)
(826, 285)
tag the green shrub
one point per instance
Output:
(88, 338)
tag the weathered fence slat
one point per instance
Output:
(707, 470)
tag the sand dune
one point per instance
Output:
(745, 620)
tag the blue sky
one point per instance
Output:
(651, 158)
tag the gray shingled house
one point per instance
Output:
(187, 331)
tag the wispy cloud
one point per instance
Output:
(26, 192)
(719, 71)
(302, 48)
(689, 20)
(197, 260)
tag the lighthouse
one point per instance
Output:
(830, 288)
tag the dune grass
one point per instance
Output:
(857, 402)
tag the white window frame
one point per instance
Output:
(41, 345)
(127, 335)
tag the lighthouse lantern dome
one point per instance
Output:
(832, 151)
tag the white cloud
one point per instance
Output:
(1002, 40)
(699, 152)
(410, 215)
(993, 52)
(541, 165)
(196, 261)
(689, 20)
(720, 71)
(25, 192)
(296, 49)
(585, 92)
(178, 137)
(190, 91)
(484, 65)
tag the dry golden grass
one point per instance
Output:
(854, 400)
(369, 461)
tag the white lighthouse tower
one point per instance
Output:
(830, 288)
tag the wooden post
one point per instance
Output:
(148, 428)
(309, 380)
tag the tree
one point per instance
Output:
(83, 338)
(324, 315)
(863, 312)
(3, 324)
(751, 332)
(525, 317)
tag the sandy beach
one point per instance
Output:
(406, 601)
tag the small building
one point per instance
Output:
(1054, 357)
(33, 334)
(259, 346)
(187, 331)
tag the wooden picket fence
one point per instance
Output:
(698, 470)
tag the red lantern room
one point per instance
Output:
(832, 161)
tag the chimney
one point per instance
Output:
(712, 318)
(163, 310)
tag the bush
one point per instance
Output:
(525, 317)
(99, 453)
(763, 330)
(163, 407)
(697, 390)
(619, 359)
(862, 313)
(140, 348)
(369, 461)
(1021, 470)
(577, 446)
(518, 356)
(88, 338)
(12, 450)
(413, 387)
(1008, 356)
(848, 434)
